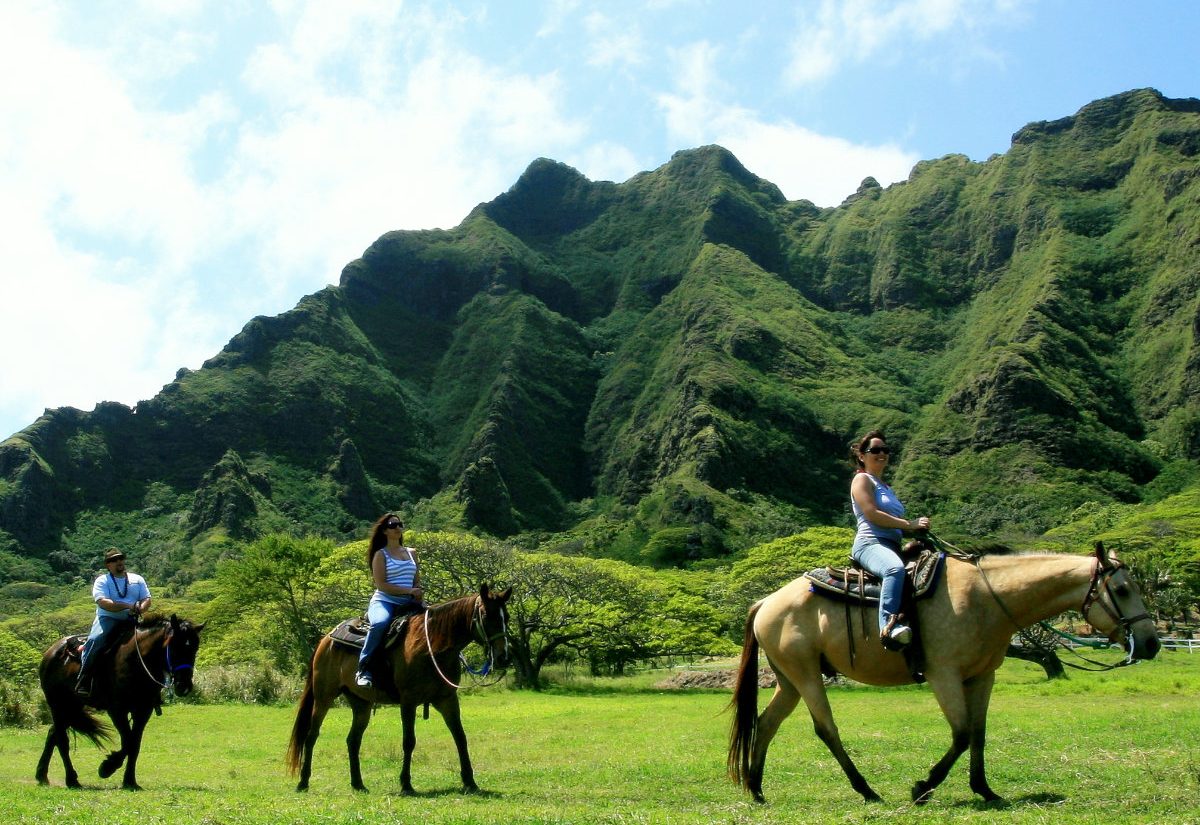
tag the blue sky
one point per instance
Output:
(170, 169)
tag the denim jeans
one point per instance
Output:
(380, 614)
(98, 638)
(885, 563)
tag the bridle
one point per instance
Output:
(168, 682)
(478, 634)
(1103, 583)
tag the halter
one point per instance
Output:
(479, 634)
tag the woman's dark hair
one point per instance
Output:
(379, 536)
(856, 450)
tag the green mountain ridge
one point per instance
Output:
(671, 368)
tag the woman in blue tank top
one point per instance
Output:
(397, 586)
(881, 525)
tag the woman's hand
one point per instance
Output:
(920, 524)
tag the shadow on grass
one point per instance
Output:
(1034, 800)
(444, 792)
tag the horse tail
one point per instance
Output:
(79, 719)
(743, 729)
(303, 723)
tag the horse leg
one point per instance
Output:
(979, 694)
(361, 709)
(408, 724)
(817, 701)
(57, 737)
(133, 746)
(319, 708)
(952, 699)
(120, 720)
(450, 712)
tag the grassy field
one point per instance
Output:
(1117, 747)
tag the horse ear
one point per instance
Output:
(483, 590)
(199, 627)
(174, 621)
(1105, 558)
(505, 594)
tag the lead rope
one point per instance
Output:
(483, 671)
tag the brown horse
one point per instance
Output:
(966, 623)
(424, 669)
(129, 680)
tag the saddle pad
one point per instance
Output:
(352, 633)
(840, 583)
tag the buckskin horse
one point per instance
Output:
(968, 621)
(129, 680)
(424, 669)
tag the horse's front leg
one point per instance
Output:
(408, 723)
(979, 694)
(109, 765)
(951, 697)
(133, 746)
(449, 710)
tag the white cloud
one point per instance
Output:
(803, 163)
(847, 32)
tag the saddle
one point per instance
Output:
(352, 633)
(859, 586)
(856, 586)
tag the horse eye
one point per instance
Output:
(1122, 591)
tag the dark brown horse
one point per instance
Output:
(424, 668)
(129, 681)
(966, 623)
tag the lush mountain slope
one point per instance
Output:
(671, 368)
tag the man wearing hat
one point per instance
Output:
(119, 596)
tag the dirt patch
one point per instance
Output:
(716, 679)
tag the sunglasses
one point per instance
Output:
(395, 525)
(878, 450)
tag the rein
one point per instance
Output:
(479, 634)
(1092, 596)
(169, 683)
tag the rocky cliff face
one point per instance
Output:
(686, 355)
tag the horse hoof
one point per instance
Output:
(360, 788)
(470, 789)
(303, 786)
(42, 779)
(921, 793)
(131, 786)
(758, 797)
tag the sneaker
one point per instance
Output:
(901, 634)
(363, 680)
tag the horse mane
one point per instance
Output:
(994, 549)
(444, 618)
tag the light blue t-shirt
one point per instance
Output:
(885, 500)
(132, 588)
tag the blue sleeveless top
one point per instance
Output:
(885, 500)
(400, 573)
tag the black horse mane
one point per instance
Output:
(993, 550)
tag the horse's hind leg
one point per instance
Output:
(56, 737)
(813, 691)
(361, 709)
(120, 720)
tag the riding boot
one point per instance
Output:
(84, 684)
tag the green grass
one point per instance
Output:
(1117, 747)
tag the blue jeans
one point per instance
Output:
(380, 615)
(885, 563)
(98, 638)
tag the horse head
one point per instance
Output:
(183, 642)
(1114, 606)
(491, 623)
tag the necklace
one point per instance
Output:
(117, 588)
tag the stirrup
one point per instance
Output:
(895, 634)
